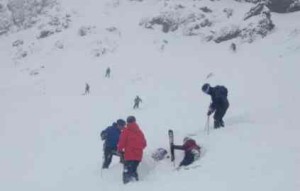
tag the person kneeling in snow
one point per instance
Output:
(191, 151)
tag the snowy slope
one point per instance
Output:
(50, 132)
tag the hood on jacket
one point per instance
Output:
(133, 127)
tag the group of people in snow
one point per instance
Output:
(126, 140)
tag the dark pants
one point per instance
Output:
(188, 159)
(108, 154)
(136, 105)
(219, 114)
(130, 171)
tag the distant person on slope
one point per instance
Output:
(87, 89)
(107, 73)
(191, 151)
(137, 101)
(233, 47)
(219, 103)
(111, 137)
(132, 142)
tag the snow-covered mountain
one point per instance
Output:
(162, 51)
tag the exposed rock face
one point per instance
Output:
(196, 20)
(16, 15)
(284, 6)
(24, 12)
(279, 6)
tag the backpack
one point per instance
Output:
(221, 92)
(103, 135)
(159, 154)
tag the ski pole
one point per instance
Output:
(207, 125)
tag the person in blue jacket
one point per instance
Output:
(111, 138)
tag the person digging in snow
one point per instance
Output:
(132, 143)
(137, 101)
(111, 137)
(191, 151)
(219, 104)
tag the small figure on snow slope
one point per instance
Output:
(107, 73)
(111, 137)
(219, 103)
(87, 89)
(137, 101)
(191, 151)
(233, 47)
(132, 142)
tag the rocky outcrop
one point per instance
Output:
(258, 24)
(212, 24)
(16, 15)
(279, 6)
(284, 6)
(227, 33)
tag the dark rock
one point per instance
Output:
(111, 29)
(205, 23)
(205, 9)
(282, 6)
(228, 12)
(167, 24)
(258, 9)
(34, 73)
(85, 30)
(278, 6)
(45, 33)
(18, 43)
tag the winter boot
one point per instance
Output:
(217, 124)
(222, 123)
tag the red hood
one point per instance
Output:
(133, 127)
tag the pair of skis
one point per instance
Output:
(171, 141)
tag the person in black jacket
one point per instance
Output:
(111, 137)
(219, 103)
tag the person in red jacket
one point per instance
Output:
(132, 142)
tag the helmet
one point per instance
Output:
(130, 119)
(205, 87)
(121, 122)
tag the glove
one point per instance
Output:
(210, 111)
(120, 153)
